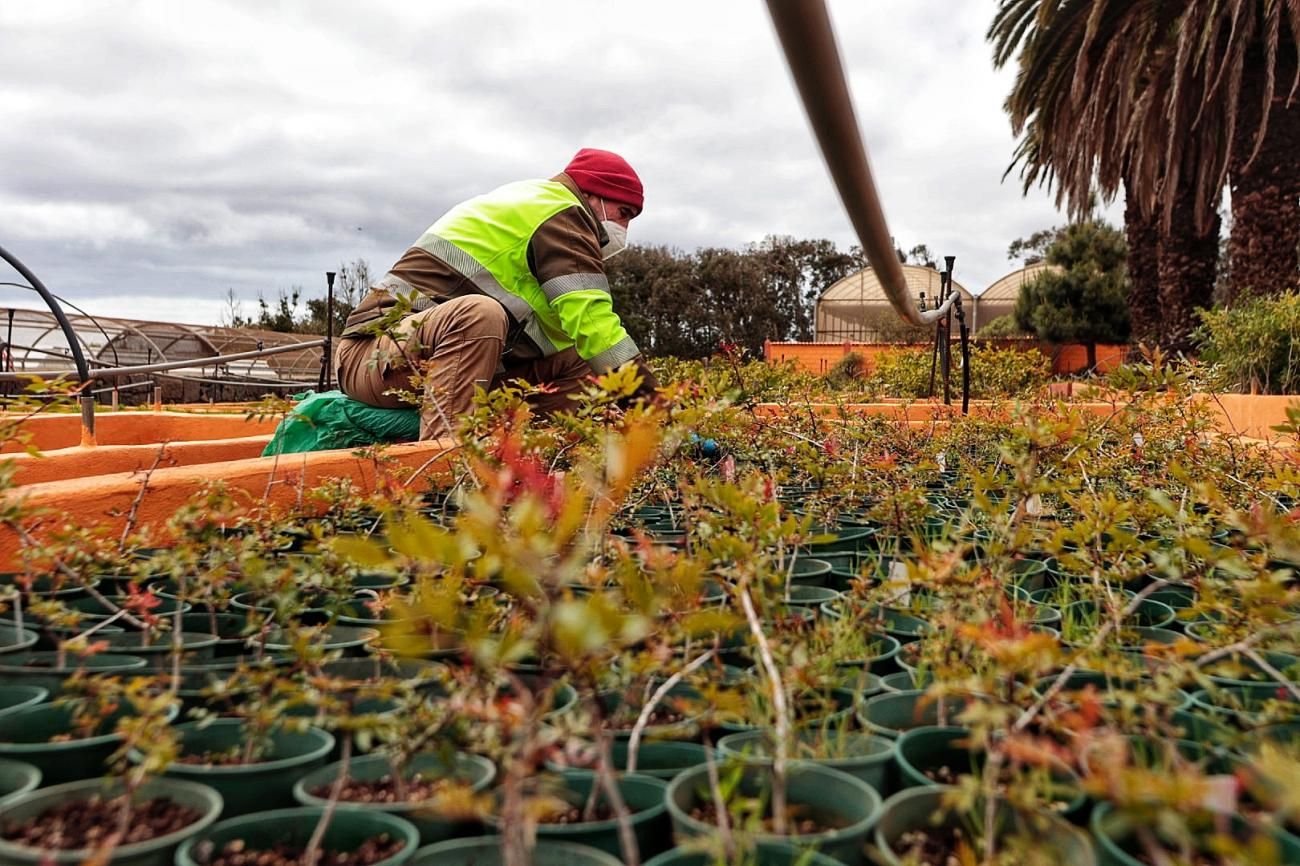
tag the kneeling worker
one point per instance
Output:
(511, 285)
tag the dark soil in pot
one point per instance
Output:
(213, 753)
(160, 651)
(48, 670)
(370, 785)
(66, 823)
(864, 756)
(827, 797)
(940, 756)
(354, 837)
(486, 851)
(643, 795)
(914, 822)
(1119, 847)
(661, 759)
(46, 736)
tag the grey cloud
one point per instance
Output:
(174, 150)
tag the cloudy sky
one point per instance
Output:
(154, 155)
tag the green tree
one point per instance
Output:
(1169, 101)
(1084, 301)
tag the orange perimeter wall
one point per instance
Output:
(820, 357)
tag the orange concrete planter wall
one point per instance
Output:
(84, 462)
(51, 432)
(104, 500)
(819, 358)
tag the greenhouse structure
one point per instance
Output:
(33, 342)
(856, 308)
(999, 299)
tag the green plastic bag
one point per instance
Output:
(334, 420)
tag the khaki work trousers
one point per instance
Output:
(460, 341)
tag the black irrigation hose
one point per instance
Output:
(74, 345)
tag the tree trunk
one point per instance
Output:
(1188, 263)
(1265, 243)
(1143, 236)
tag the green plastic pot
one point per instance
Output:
(1244, 671)
(16, 779)
(1149, 613)
(44, 669)
(891, 713)
(471, 770)
(194, 647)
(644, 796)
(807, 571)
(1178, 596)
(15, 640)
(1029, 574)
(821, 790)
(155, 852)
(662, 760)
(764, 854)
(14, 698)
(883, 662)
(1110, 688)
(1165, 754)
(377, 580)
(1113, 835)
(863, 756)
(52, 585)
(373, 670)
(1245, 705)
(903, 681)
(266, 784)
(93, 610)
(818, 717)
(687, 728)
(228, 626)
(486, 851)
(920, 808)
(809, 596)
(25, 736)
(929, 748)
(846, 539)
(347, 830)
(351, 639)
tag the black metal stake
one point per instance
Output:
(326, 358)
(945, 341)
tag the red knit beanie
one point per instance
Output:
(606, 174)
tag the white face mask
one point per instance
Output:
(617, 236)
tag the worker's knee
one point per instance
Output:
(476, 316)
(473, 317)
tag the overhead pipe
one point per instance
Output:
(804, 28)
(140, 369)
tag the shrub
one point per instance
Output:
(994, 372)
(998, 372)
(903, 373)
(1254, 346)
(849, 370)
(1002, 327)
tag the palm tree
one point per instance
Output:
(1144, 95)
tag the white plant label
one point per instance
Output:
(898, 583)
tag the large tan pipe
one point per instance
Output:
(804, 27)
